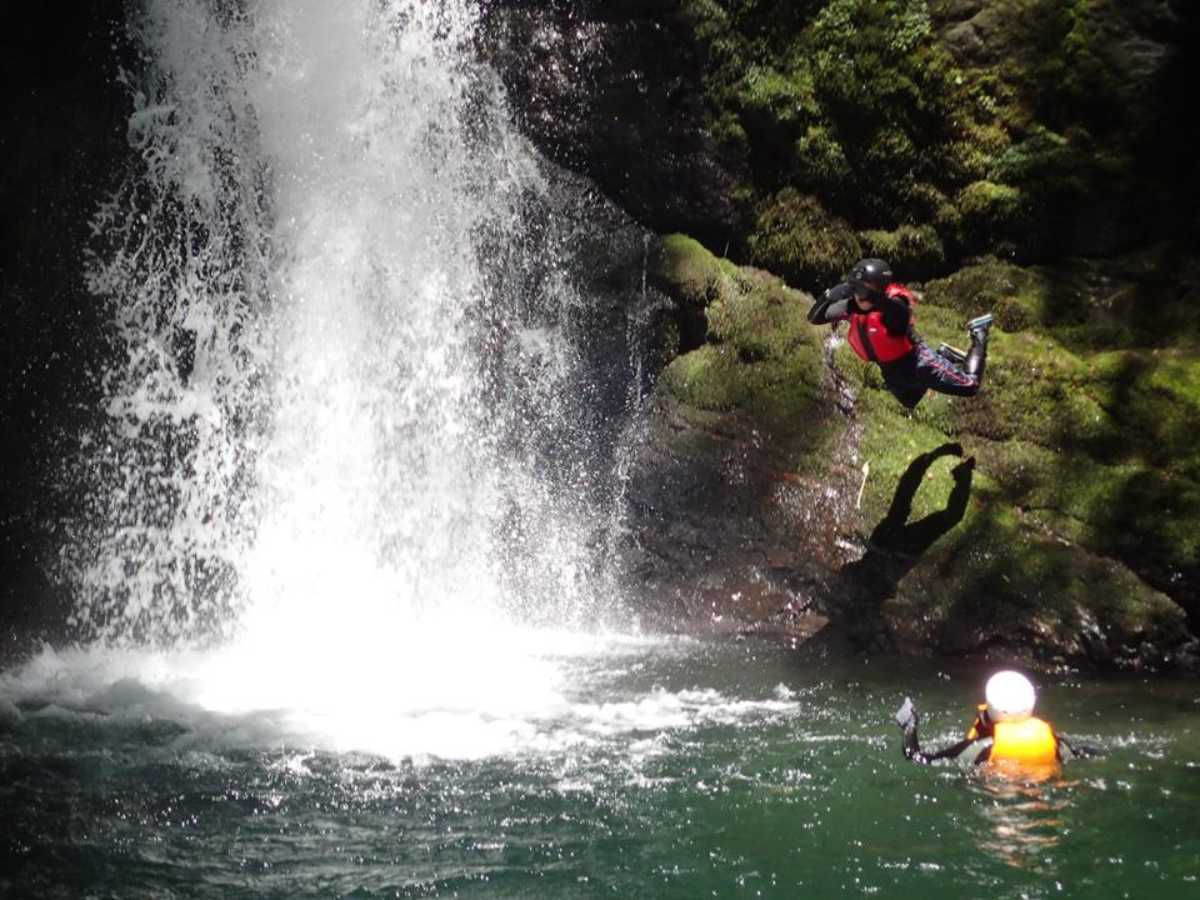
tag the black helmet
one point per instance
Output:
(872, 274)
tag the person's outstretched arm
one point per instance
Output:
(1076, 749)
(834, 305)
(906, 718)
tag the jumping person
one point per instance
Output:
(880, 314)
(1004, 732)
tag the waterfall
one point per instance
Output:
(353, 403)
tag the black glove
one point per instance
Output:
(838, 292)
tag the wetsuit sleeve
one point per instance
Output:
(834, 305)
(917, 755)
(1075, 749)
(907, 718)
(896, 315)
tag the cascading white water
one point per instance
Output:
(328, 431)
(181, 258)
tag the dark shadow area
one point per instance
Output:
(61, 148)
(1167, 148)
(1031, 596)
(896, 534)
(1151, 494)
(896, 545)
(1145, 300)
(1148, 526)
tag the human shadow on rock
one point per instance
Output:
(895, 547)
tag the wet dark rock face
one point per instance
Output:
(720, 540)
(60, 146)
(612, 90)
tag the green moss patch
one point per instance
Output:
(761, 361)
(1024, 127)
(688, 272)
(909, 248)
(1053, 510)
(1085, 499)
(796, 237)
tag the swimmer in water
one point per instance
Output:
(1005, 730)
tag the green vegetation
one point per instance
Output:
(1023, 127)
(761, 362)
(1009, 156)
(796, 237)
(1085, 491)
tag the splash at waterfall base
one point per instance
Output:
(780, 493)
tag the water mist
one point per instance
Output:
(347, 460)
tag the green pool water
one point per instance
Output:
(680, 769)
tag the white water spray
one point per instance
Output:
(320, 445)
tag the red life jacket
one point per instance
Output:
(871, 340)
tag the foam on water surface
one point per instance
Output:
(525, 691)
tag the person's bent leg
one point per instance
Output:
(976, 360)
(904, 382)
(938, 373)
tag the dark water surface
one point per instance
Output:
(682, 770)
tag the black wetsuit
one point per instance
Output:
(981, 734)
(924, 369)
(981, 730)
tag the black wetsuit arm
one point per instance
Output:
(834, 305)
(907, 718)
(896, 314)
(913, 751)
(1076, 749)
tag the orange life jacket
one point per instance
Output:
(869, 337)
(1029, 741)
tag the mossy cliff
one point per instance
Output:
(798, 136)
(1035, 157)
(1026, 156)
(926, 131)
(1053, 517)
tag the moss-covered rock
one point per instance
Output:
(689, 272)
(691, 277)
(795, 236)
(761, 360)
(962, 141)
(1053, 518)
(992, 216)
(1034, 128)
(1094, 447)
(918, 250)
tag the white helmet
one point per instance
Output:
(1010, 695)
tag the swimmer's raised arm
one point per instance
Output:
(907, 719)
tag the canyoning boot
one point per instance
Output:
(978, 327)
(977, 356)
(956, 356)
